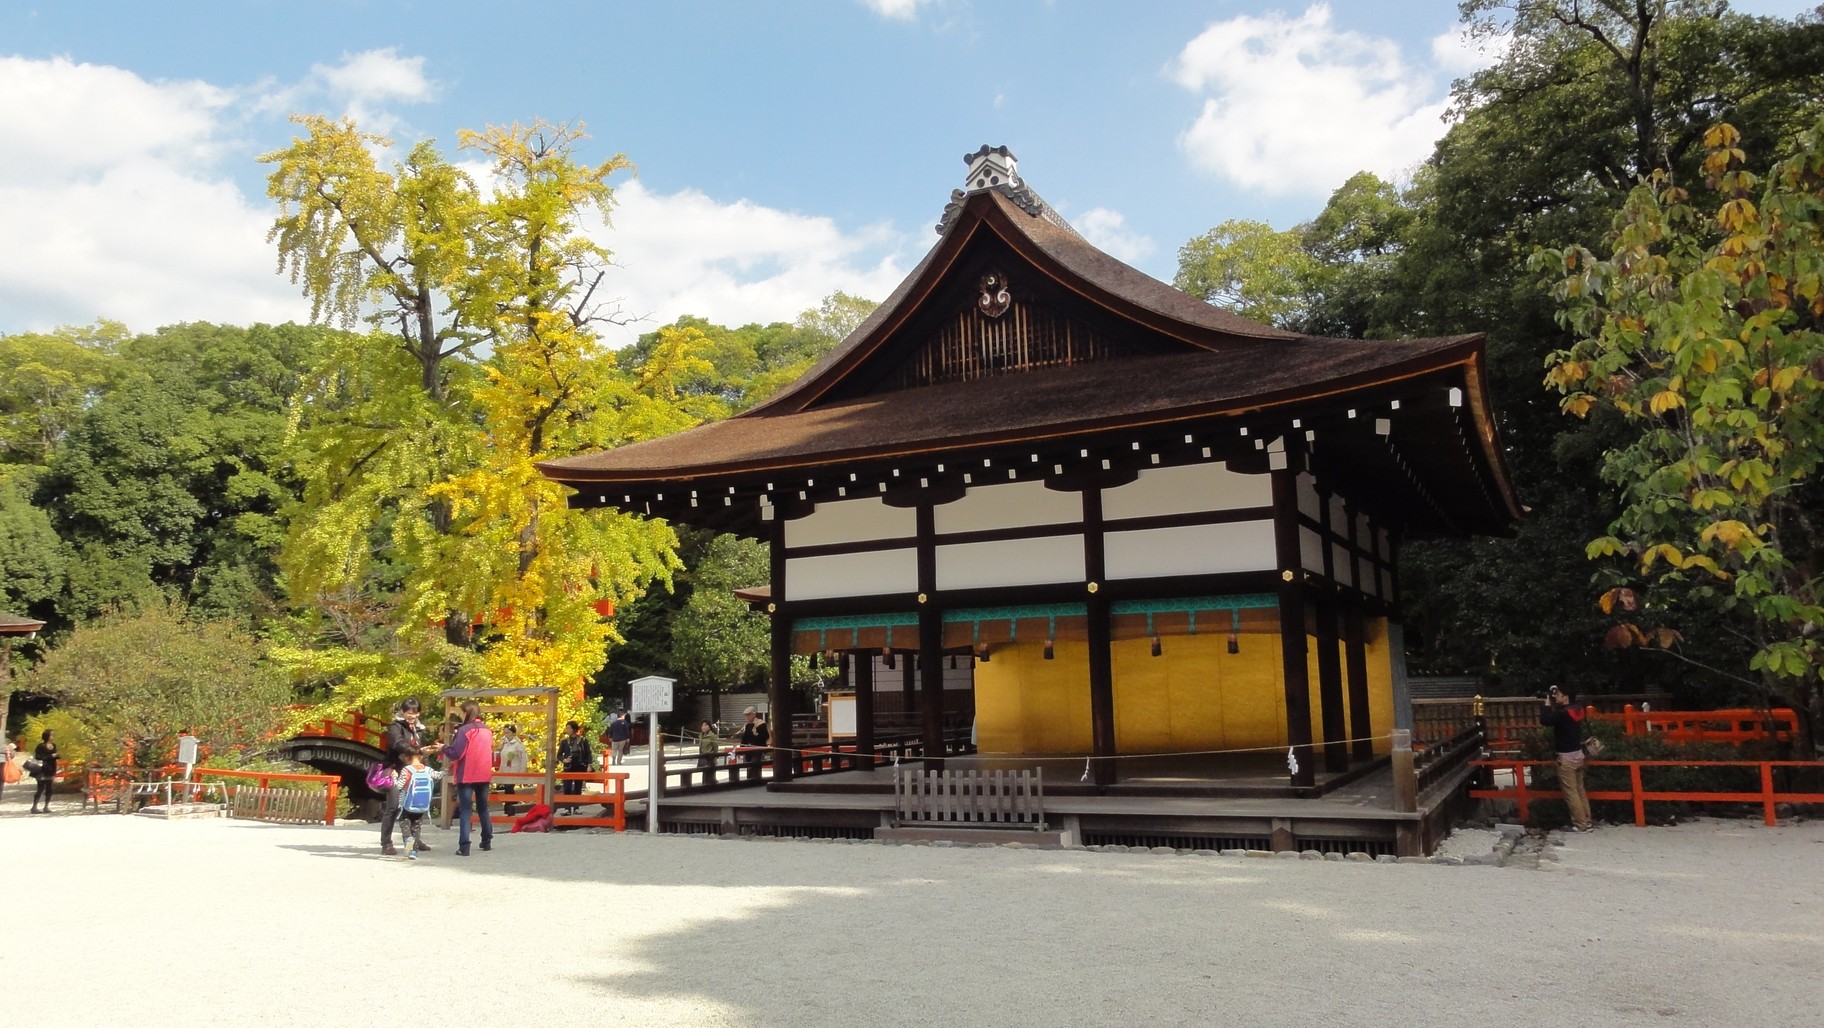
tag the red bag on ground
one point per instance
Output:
(536, 819)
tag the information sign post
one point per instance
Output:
(652, 697)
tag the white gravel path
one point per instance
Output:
(137, 921)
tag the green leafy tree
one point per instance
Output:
(717, 643)
(1250, 269)
(46, 381)
(418, 449)
(178, 473)
(137, 678)
(1704, 330)
(1543, 147)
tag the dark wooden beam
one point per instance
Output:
(1355, 651)
(863, 663)
(1292, 617)
(1101, 640)
(779, 687)
(1330, 687)
(930, 642)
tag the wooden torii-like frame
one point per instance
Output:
(503, 701)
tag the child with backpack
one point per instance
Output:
(417, 782)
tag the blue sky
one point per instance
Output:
(784, 150)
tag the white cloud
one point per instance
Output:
(364, 86)
(1109, 232)
(112, 204)
(115, 203)
(1295, 105)
(898, 10)
(686, 253)
(1457, 52)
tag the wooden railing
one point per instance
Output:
(1733, 726)
(999, 799)
(1767, 796)
(567, 808)
(1436, 762)
(354, 726)
(682, 771)
(267, 803)
(1437, 720)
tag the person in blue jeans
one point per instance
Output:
(470, 754)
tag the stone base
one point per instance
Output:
(183, 811)
(965, 836)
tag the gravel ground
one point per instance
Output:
(135, 920)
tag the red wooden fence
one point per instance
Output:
(1767, 796)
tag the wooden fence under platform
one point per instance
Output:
(998, 798)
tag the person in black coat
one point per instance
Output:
(406, 734)
(1565, 718)
(46, 756)
(576, 756)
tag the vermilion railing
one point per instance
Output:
(567, 809)
(1735, 726)
(1767, 796)
(332, 785)
(354, 725)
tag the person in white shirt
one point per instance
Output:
(511, 760)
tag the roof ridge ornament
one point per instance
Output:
(996, 168)
(990, 167)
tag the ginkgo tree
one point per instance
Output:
(418, 447)
(1704, 329)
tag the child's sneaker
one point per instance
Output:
(411, 853)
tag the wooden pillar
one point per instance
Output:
(1355, 654)
(931, 683)
(930, 642)
(778, 698)
(1292, 615)
(908, 684)
(1330, 687)
(779, 685)
(1101, 639)
(864, 707)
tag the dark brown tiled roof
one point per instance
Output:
(1039, 404)
(1188, 364)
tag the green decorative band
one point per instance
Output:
(1192, 604)
(849, 621)
(1038, 610)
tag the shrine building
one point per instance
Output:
(1156, 535)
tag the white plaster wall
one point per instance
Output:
(1186, 490)
(1344, 563)
(1011, 562)
(1308, 504)
(1190, 550)
(1311, 550)
(851, 574)
(851, 521)
(1013, 505)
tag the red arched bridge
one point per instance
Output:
(348, 748)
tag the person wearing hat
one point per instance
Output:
(753, 738)
(410, 733)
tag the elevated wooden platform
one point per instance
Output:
(1240, 805)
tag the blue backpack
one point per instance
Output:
(415, 796)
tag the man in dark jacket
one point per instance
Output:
(576, 756)
(1565, 718)
(620, 733)
(408, 732)
(753, 738)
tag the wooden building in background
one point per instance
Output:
(1159, 528)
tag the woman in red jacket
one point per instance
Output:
(471, 766)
